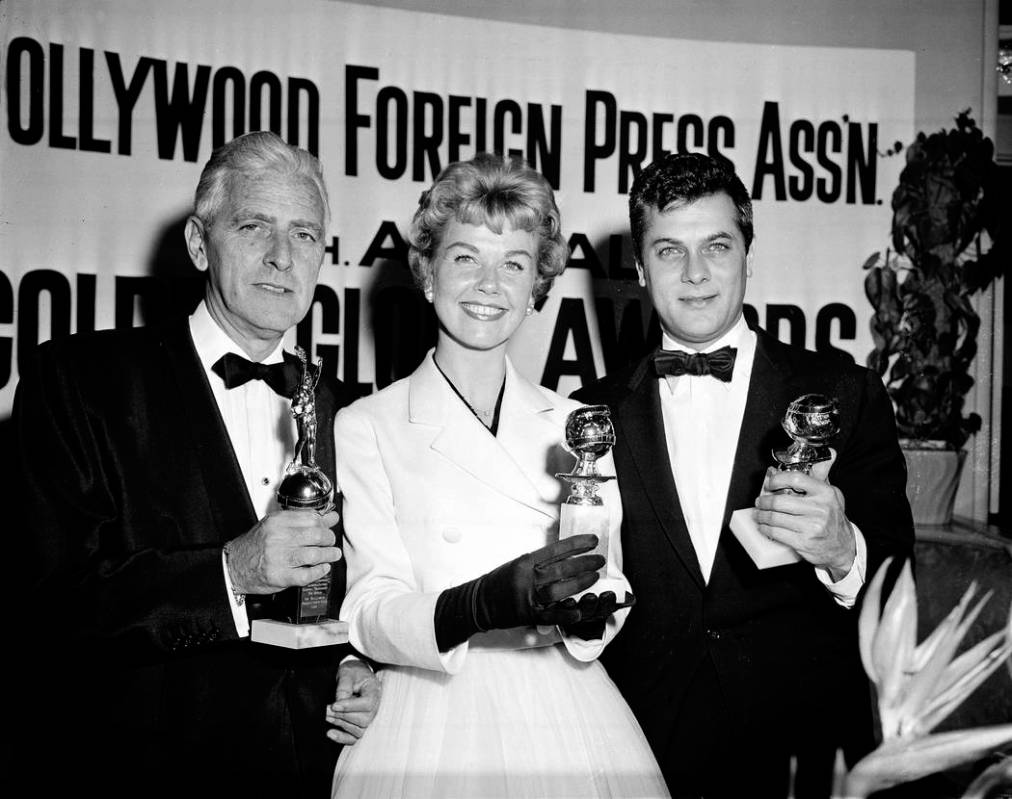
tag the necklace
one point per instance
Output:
(488, 417)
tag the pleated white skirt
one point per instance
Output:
(513, 723)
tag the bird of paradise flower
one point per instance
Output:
(919, 685)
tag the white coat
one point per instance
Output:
(432, 500)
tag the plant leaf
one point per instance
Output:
(922, 684)
(867, 623)
(943, 704)
(994, 776)
(930, 644)
(896, 638)
(906, 759)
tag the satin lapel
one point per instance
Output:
(768, 397)
(225, 488)
(640, 431)
(462, 439)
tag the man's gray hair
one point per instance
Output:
(253, 153)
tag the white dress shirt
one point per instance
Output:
(248, 411)
(702, 420)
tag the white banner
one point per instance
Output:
(110, 109)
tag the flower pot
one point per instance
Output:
(932, 477)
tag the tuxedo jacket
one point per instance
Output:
(779, 645)
(129, 487)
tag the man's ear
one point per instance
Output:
(196, 242)
(749, 259)
(640, 273)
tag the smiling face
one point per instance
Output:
(263, 251)
(480, 284)
(694, 265)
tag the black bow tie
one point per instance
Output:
(235, 370)
(719, 363)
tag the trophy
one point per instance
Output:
(589, 436)
(302, 610)
(811, 421)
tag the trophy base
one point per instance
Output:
(299, 636)
(577, 519)
(765, 552)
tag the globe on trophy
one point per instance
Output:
(589, 436)
(300, 613)
(811, 421)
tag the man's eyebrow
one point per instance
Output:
(243, 213)
(309, 223)
(721, 234)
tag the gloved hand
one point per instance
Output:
(594, 612)
(525, 591)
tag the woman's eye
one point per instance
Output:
(463, 258)
(513, 266)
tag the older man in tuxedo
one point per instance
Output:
(732, 669)
(148, 464)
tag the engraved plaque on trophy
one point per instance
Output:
(811, 421)
(301, 612)
(589, 436)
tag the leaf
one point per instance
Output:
(929, 645)
(867, 622)
(945, 702)
(922, 684)
(995, 776)
(871, 260)
(895, 638)
(906, 759)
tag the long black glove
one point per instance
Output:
(594, 612)
(525, 591)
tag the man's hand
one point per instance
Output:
(812, 521)
(285, 548)
(357, 700)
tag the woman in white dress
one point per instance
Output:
(456, 577)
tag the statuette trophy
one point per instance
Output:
(811, 421)
(590, 435)
(301, 620)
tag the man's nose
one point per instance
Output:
(695, 270)
(279, 253)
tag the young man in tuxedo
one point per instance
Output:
(148, 464)
(732, 669)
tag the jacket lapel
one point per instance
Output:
(526, 429)
(764, 407)
(225, 488)
(768, 396)
(642, 426)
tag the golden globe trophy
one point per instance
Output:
(301, 620)
(590, 435)
(811, 421)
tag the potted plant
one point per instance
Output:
(946, 246)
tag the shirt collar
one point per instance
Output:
(735, 337)
(211, 342)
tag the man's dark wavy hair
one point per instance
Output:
(684, 178)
